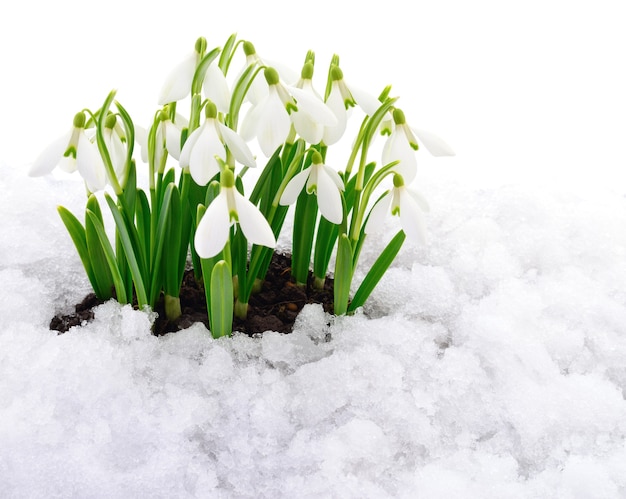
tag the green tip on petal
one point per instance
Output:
(398, 117)
(248, 48)
(316, 158)
(210, 110)
(307, 71)
(110, 121)
(336, 74)
(201, 45)
(398, 181)
(79, 120)
(227, 178)
(271, 76)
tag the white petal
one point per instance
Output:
(329, 198)
(185, 152)
(396, 148)
(50, 156)
(314, 107)
(216, 87)
(202, 163)
(378, 213)
(141, 137)
(311, 131)
(335, 102)
(367, 102)
(252, 222)
(411, 217)
(213, 229)
(236, 145)
(275, 125)
(433, 144)
(294, 187)
(117, 151)
(178, 83)
(172, 139)
(334, 176)
(419, 199)
(89, 164)
(250, 123)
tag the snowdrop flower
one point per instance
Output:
(259, 86)
(227, 208)
(324, 182)
(402, 144)
(408, 205)
(207, 143)
(73, 151)
(167, 135)
(268, 120)
(310, 125)
(114, 140)
(177, 84)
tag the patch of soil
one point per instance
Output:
(274, 308)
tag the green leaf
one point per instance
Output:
(198, 77)
(130, 242)
(109, 255)
(221, 300)
(172, 250)
(227, 53)
(97, 257)
(379, 268)
(157, 266)
(77, 233)
(142, 216)
(343, 275)
(305, 219)
(261, 187)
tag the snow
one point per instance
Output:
(489, 363)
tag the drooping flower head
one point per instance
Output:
(177, 85)
(408, 205)
(403, 142)
(401, 146)
(207, 143)
(73, 151)
(339, 101)
(312, 115)
(228, 208)
(322, 181)
(114, 141)
(268, 120)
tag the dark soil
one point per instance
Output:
(274, 308)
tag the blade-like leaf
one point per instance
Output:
(109, 255)
(379, 268)
(95, 249)
(77, 233)
(130, 243)
(343, 275)
(221, 300)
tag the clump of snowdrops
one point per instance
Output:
(196, 208)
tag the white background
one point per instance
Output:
(530, 91)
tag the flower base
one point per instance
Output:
(274, 308)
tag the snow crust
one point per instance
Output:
(490, 363)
